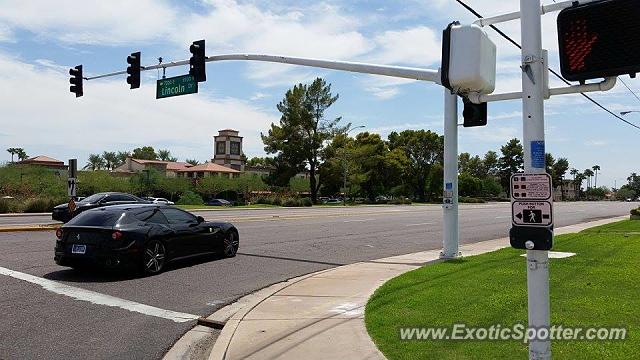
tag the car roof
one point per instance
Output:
(121, 207)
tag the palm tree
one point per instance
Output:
(110, 159)
(574, 172)
(193, 162)
(580, 177)
(96, 162)
(596, 168)
(12, 151)
(22, 155)
(589, 174)
(121, 157)
(164, 155)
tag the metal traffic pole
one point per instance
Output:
(450, 246)
(534, 163)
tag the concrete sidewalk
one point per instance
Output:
(320, 315)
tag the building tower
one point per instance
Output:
(227, 149)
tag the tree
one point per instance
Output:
(588, 173)
(422, 150)
(491, 163)
(469, 185)
(303, 131)
(110, 159)
(165, 155)
(634, 183)
(144, 153)
(12, 151)
(558, 171)
(260, 161)
(96, 162)
(373, 163)
(596, 168)
(574, 172)
(121, 158)
(577, 181)
(625, 193)
(511, 162)
(549, 161)
(337, 164)
(193, 162)
(22, 155)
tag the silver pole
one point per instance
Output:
(450, 244)
(533, 144)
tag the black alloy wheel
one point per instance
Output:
(231, 244)
(154, 257)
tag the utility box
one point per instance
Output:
(468, 59)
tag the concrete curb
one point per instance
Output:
(24, 214)
(234, 314)
(18, 228)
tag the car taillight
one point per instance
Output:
(59, 233)
(116, 235)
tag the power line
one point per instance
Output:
(471, 10)
(627, 86)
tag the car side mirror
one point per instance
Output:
(200, 219)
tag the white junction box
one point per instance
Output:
(472, 60)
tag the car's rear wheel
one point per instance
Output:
(154, 257)
(231, 244)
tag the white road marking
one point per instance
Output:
(97, 298)
(358, 220)
(503, 217)
(420, 224)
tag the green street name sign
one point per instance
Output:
(174, 86)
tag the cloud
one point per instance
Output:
(110, 22)
(110, 117)
(413, 46)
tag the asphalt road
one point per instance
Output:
(42, 319)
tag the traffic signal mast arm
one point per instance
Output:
(385, 70)
(605, 85)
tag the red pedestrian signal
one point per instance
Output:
(599, 39)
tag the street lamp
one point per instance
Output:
(623, 113)
(344, 164)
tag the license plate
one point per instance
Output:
(78, 249)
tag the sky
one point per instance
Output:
(41, 40)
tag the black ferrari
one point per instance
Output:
(145, 236)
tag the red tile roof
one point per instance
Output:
(171, 166)
(210, 167)
(42, 159)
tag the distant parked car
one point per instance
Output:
(146, 236)
(62, 213)
(333, 201)
(156, 200)
(218, 202)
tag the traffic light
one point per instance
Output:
(76, 80)
(196, 62)
(474, 114)
(599, 39)
(133, 70)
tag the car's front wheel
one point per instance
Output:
(231, 244)
(153, 257)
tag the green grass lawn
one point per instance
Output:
(600, 286)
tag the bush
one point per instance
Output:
(39, 205)
(291, 202)
(635, 212)
(470, 200)
(307, 202)
(400, 201)
(190, 198)
(275, 201)
(4, 206)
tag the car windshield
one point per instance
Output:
(96, 218)
(93, 198)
